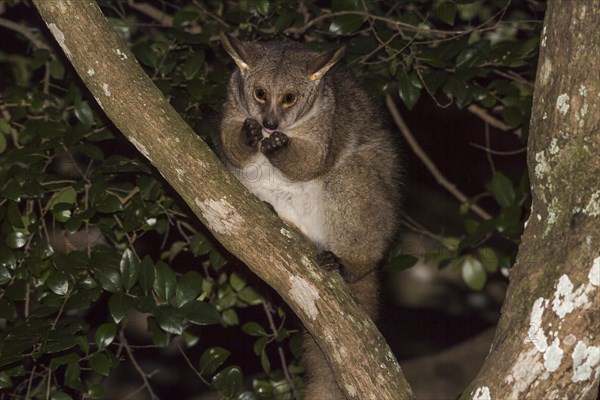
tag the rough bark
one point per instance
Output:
(547, 344)
(363, 364)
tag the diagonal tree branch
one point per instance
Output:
(360, 358)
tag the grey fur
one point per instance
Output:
(331, 167)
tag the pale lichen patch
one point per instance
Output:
(141, 148)
(60, 38)
(180, 174)
(593, 206)
(105, 89)
(286, 233)
(542, 167)
(536, 334)
(305, 294)
(562, 103)
(553, 356)
(482, 393)
(121, 55)
(594, 275)
(220, 216)
(585, 359)
(351, 390)
(91, 72)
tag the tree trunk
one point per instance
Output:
(364, 366)
(547, 344)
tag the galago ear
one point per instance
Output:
(322, 63)
(237, 50)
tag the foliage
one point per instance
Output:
(91, 235)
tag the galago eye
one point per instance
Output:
(289, 99)
(260, 95)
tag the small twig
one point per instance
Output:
(29, 33)
(189, 363)
(487, 146)
(498, 152)
(282, 359)
(139, 369)
(433, 169)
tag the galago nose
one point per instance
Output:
(270, 124)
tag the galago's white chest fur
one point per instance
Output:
(298, 203)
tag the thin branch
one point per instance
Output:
(493, 121)
(433, 169)
(139, 369)
(28, 33)
(498, 152)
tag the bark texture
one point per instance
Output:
(363, 364)
(547, 344)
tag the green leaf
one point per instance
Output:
(189, 286)
(408, 92)
(229, 381)
(147, 274)
(473, 273)
(129, 268)
(446, 11)
(58, 282)
(201, 313)
(265, 363)
(72, 373)
(66, 196)
(109, 279)
(169, 319)
(236, 281)
(262, 6)
(159, 336)
(192, 65)
(97, 391)
(58, 395)
(165, 281)
(250, 296)
(216, 259)
(259, 345)
(100, 363)
(401, 262)
(16, 240)
(512, 116)
(346, 24)
(83, 112)
(57, 69)
(109, 204)
(212, 359)
(2, 143)
(200, 245)
(488, 258)
(105, 335)
(118, 305)
(253, 329)
(502, 189)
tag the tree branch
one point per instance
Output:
(362, 362)
(548, 338)
(437, 174)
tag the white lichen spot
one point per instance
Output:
(542, 167)
(141, 148)
(60, 38)
(351, 390)
(545, 72)
(544, 37)
(593, 207)
(305, 261)
(545, 116)
(536, 334)
(286, 233)
(527, 369)
(121, 55)
(563, 297)
(539, 217)
(105, 89)
(482, 393)
(585, 359)
(562, 103)
(583, 90)
(570, 339)
(220, 216)
(554, 149)
(553, 356)
(305, 294)
(91, 72)
(180, 174)
(594, 275)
